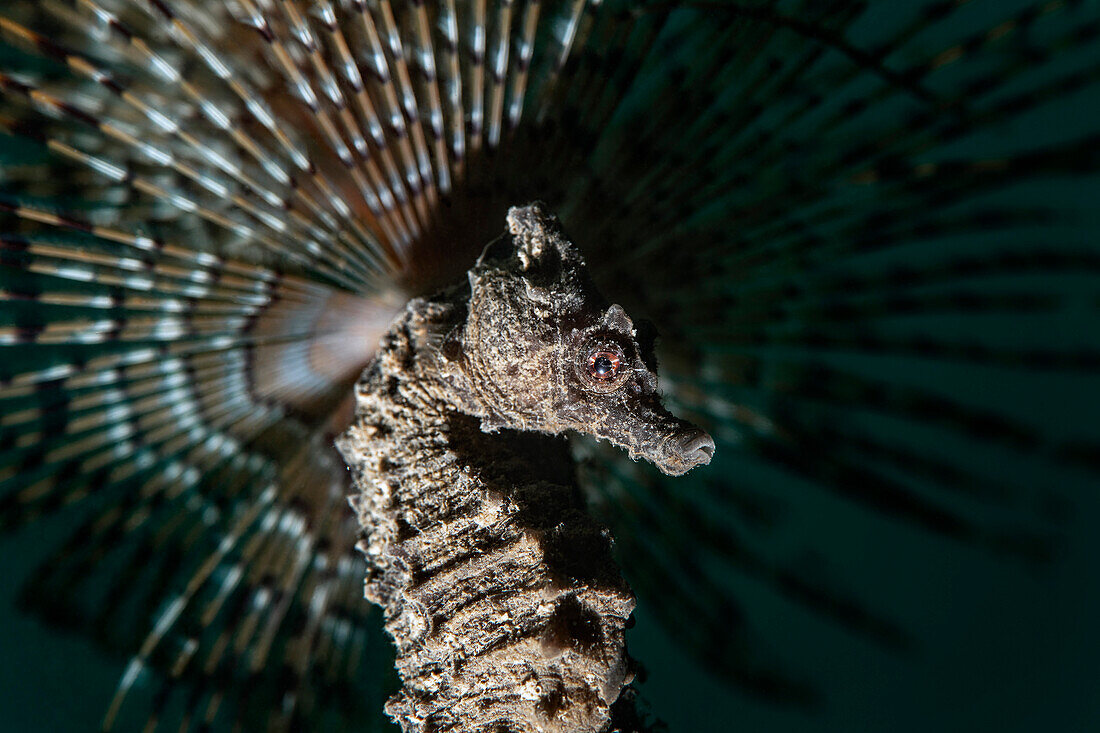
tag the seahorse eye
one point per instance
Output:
(603, 365)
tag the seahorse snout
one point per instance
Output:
(685, 450)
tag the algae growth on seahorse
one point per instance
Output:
(498, 589)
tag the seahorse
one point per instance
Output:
(498, 589)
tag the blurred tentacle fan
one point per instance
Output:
(865, 231)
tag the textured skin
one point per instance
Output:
(500, 593)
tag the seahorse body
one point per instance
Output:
(499, 591)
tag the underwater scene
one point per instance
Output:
(844, 254)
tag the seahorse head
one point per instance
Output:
(541, 349)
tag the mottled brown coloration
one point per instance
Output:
(500, 593)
